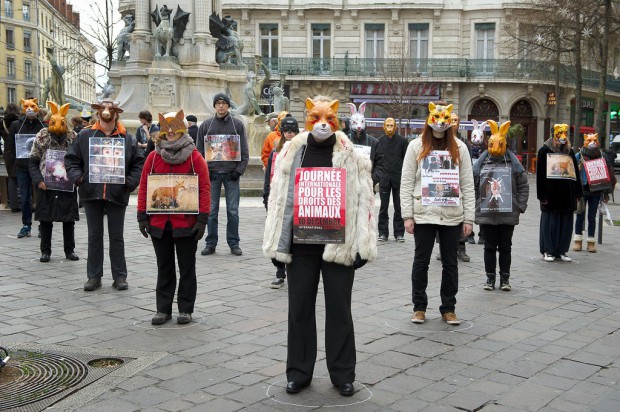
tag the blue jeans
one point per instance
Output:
(24, 181)
(232, 210)
(591, 207)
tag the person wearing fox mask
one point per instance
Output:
(425, 215)
(502, 192)
(322, 145)
(596, 187)
(174, 153)
(102, 195)
(558, 189)
(56, 197)
(28, 124)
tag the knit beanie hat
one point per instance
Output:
(221, 96)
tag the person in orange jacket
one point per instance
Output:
(271, 140)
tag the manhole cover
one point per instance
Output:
(36, 380)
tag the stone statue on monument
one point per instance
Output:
(252, 90)
(54, 89)
(123, 39)
(229, 45)
(166, 34)
(281, 103)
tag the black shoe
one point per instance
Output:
(236, 250)
(294, 387)
(346, 389)
(160, 318)
(277, 283)
(490, 284)
(17, 210)
(481, 240)
(504, 284)
(44, 258)
(471, 240)
(184, 318)
(461, 254)
(92, 284)
(72, 256)
(120, 285)
(208, 250)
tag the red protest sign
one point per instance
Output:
(597, 174)
(319, 205)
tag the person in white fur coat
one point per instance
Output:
(323, 146)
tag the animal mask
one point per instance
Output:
(172, 123)
(58, 120)
(477, 135)
(497, 141)
(439, 117)
(30, 107)
(591, 141)
(455, 121)
(560, 133)
(107, 111)
(322, 121)
(389, 126)
(357, 123)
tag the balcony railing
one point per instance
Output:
(509, 70)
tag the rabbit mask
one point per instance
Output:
(497, 141)
(477, 135)
(358, 121)
(58, 120)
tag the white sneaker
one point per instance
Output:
(565, 258)
(548, 257)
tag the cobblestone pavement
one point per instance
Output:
(551, 344)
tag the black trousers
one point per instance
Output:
(384, 219)
(556, 232)
(424, 235)
(303, 280)
(166, 272)
(498, 238)
(68, 237)
(94, 210)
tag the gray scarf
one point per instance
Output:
(175, 152)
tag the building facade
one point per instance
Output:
(373, 50)
(27, 28)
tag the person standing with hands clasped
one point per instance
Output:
(334, 247)
(161, 214)
(437, 201)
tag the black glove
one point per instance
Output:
(199, 230)
(145, 227)
(359, 262)
(234, 175)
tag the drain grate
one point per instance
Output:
(41, 379)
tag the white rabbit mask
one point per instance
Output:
(358, 122)
(477, 135)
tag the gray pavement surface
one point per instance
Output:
(551, 344)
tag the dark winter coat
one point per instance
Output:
(77, 163)
(180, 224)
(192, 131)
(583, 156)
(24, 125)
(226, 125)
(52, 205)
(556, 195)
(393, 150)
(9, 144)
(376, 156)
(519, 187)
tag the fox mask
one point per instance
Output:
(172, 124)
(439, 117)
(591, 141)
(560, 132)
(30, 107)
(322, 120)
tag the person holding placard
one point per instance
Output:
(174, 213)
(104, 188)
(448, 213)
(598, 180)
(320, 221)
(56, 196)
(558, 189)
(22, 131)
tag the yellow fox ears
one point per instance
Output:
(310, 104)
(62, 110)
(173, 121)
(503, 129)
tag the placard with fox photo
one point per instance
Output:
(560, 166)
(172, 194)
(55, 173)
(222, 147)
(106, 160)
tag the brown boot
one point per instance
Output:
(578, 243)
(591, 245)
